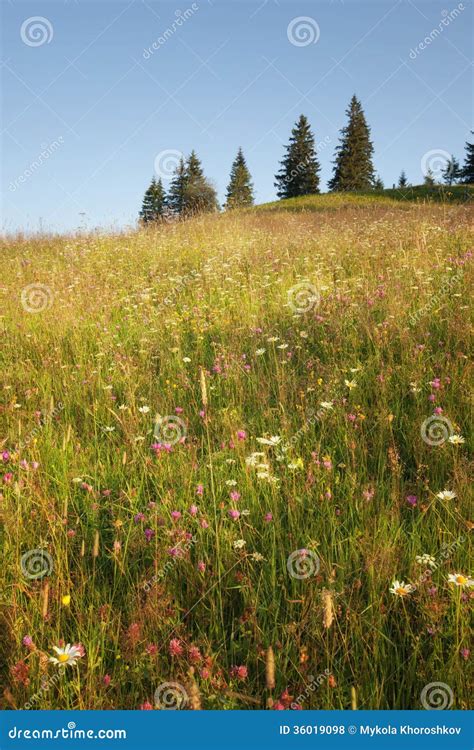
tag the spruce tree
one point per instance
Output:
(240, 187)
(378, 183)
(199, 195)
(468, 166)
(177, 188)
(300, 167)
(353, 168)
(154, 202)
(402, 180)
(429, 180)
(452, 171)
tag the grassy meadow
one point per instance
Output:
(223, 442)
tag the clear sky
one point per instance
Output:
(86, 109)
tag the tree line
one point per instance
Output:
(190, 192)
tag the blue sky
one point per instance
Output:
(87, 111)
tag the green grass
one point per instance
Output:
(131, 321)
(458, 194)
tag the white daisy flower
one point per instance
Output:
(400, 588)
(259, 352)
(272, 441)
(459, 579)
(143, 409)
(446, 495)
(67, 655)
(456, 439)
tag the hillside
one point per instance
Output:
(237, 433)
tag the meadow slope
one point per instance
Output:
(143, 517)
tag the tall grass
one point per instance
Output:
(128, 325)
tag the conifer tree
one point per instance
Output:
(402, 180)
(240, 187)
(177, 188)
(452, 171)
(378, 183)
(199, 195)
(299, 173)
(154, 202)
(353, 168)
(429, 180)
(468, 166)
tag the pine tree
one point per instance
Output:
(402, 180)
(429, 180)
(468, 166)
(193, 167)
(378, 184)
(199, 195)
(452, 171)
(177, 188)
(240, 188)
(300, 167)
(154, 202)
(353, 168)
